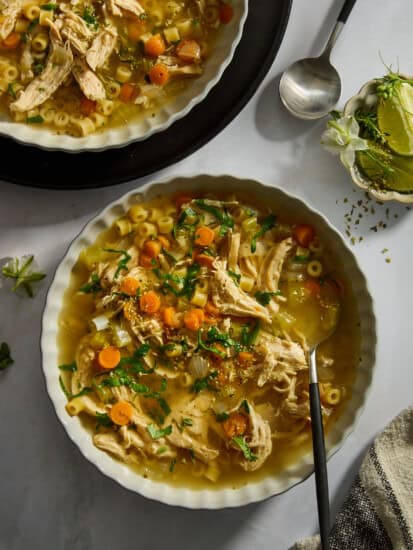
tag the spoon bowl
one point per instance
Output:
(310, 88)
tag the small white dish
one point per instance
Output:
(145, 126)
(367, 97)
(220, 498)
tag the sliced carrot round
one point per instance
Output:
(245, 357)
(193, 319)
(159, 74)
(129, 285)
(304, 234)
(12, 41)
(108, 358)
(87, 106)
(164, 242)
(204, 236)
(152, 248)
(150, 302)
(204, 260)
(226, 13)
(170, 317)
(121, 413)
(128, 92)
(155, 46)
(236, 424)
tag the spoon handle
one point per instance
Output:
(346, 10)
(320, 466)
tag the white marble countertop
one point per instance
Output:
(50, 496)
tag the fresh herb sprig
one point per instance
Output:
(93, 286)
(239, 440)
(24, 273)
(204, 383)
(157, 433)
(266, 224)
(123, 262)
(5, 356)
(223, 217)
(264, 298)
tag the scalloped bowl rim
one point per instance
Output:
(363, 183)
(162, 492)
(126, 134)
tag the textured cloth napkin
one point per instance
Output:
(378, 512)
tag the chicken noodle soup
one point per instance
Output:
(184, 337)
(78, 66)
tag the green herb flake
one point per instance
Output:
(38, 68)
(172, 465)
(103, 419)
(266, 224)
(23, 272)
(72, 367)
(123, 262)
(64, 389)
(93, 286)
(192, 455)
(264, 298)
(35, 119)
(157, 433)
(239, 440)
(89, 16)
(223, 217)
(5, 356)
(244, 405)
(10, 90)
(235, 276)
(33, 24)
(204, 383)
(161, 450)
(221, 417)
(249, 333)
(48, 7)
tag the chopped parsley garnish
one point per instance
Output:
(33, 24)
(184, 285)
(10, 90)
(244, 405)
(157, 433)
(223, 217)
(249, 334)
(172, 465)
(89, 16)
(235, 276)
(301, 258)
(210, 348)
(64, 389)
(123, 262)
(103, 419)
(48, 7)
(266, 224)
(213, 335)
(239, 440)
(93, 286)
(161, 450)
(72, 367)
(204, 383)
(183, 223)
(38, 68)
(264, 298)
(192, 455)
(5, 357)
(221, 417)
(35, 119)
(83, 391)
(184, 423)
(22, 271)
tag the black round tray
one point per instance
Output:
(262, 36)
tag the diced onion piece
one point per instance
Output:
(122, 337)
(198, 366)
(101, 322)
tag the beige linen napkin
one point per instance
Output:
(378, 512)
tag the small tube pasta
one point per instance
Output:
(314, 268)
(165, 224)
(61, 119)
(45, 17)
(199, 298)
(154, 214)
(31, 11)
(123, 73)
(83, 126)
(106, 107)
(146, 229)
(137, 213)
(185, 379)
(113, 89)
(10, 73)
(123, 227)
(98, 119)
(40, 42)
(21, 25)
(75, 406)
(332, 396)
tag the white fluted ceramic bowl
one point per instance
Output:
(143, 127)
(367, 97)
(226, 497)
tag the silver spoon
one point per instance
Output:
(310, 88)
